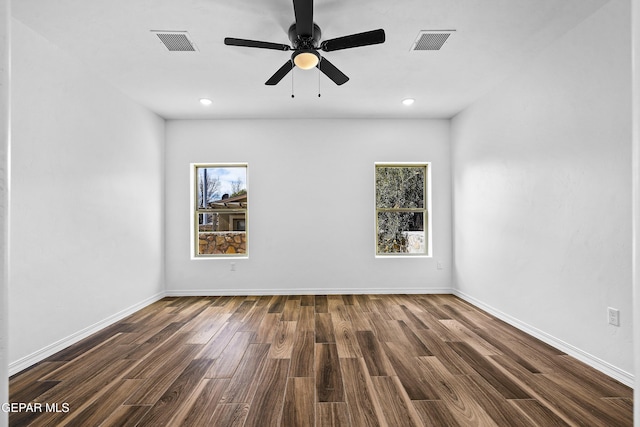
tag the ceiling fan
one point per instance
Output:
(305, 35)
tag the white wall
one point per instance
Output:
(5, 126)
(635, 23)
(311, 218)
(542, 191)
(87, 200)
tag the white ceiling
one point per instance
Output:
(492, 39)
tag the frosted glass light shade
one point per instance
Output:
(305, 60)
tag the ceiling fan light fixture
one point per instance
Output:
(408, 101)
(306, 59)
(205, 101)
(305, 36)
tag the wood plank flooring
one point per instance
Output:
(328, 360)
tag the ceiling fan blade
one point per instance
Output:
(303, 10)
(332, 72)
(230, 41)
(354, 40)
(279, 75)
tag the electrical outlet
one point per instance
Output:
(233, 266)
(614, 316)
(439, 265)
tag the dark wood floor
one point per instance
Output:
(350, 360)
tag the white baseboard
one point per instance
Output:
(309, 291)
(37, 356)
(614, 372)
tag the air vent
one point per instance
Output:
(431, 40)
(176, 41)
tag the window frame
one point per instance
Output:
(196, 211)
(425, 210)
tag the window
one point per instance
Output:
(402, 203)
(220, 210)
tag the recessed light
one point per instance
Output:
(408, 101)
(205, 101)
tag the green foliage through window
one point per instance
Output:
(401, 209)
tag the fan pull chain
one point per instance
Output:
(292, 73)
(318, 83)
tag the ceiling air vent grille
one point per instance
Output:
(176, 41)
(431, 40)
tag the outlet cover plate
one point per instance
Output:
(614, 316)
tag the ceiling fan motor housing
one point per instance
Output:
(304, 42)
